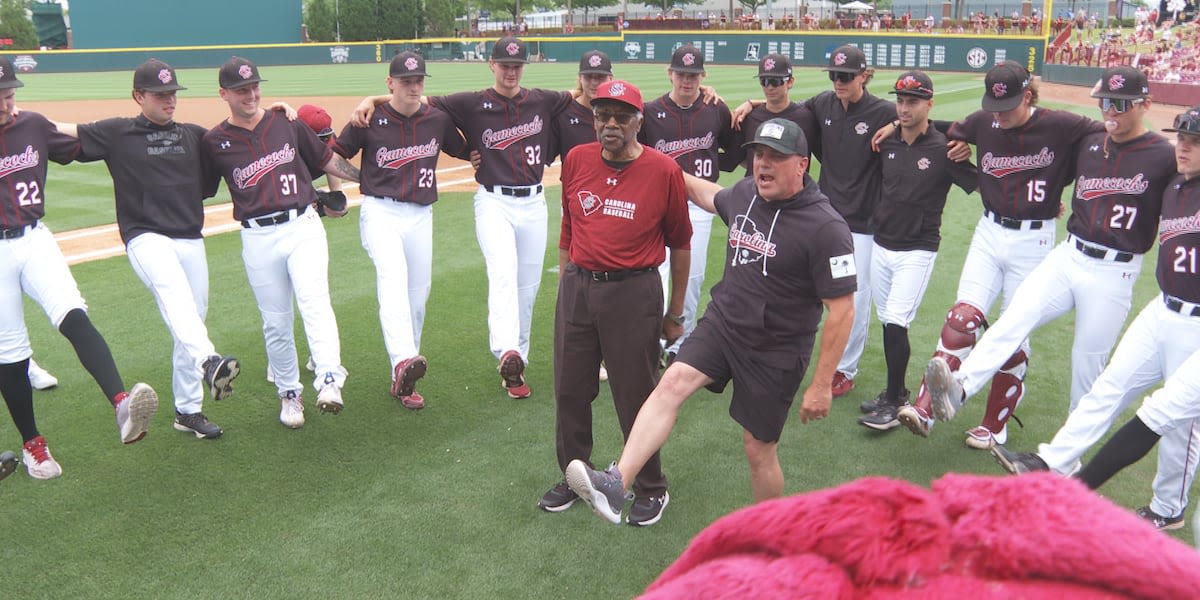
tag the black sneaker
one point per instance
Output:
(884, 418)
(8, 463)
(197, 424)
(219, 373)
(869, 406)
(1018, 463)
(647, 510)
(1160, 522)
(602, 490)
(558, 498)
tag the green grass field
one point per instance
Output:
(384, 502)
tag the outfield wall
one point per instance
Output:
(901, 51)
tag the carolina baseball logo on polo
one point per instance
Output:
(253, 172)
(751, 245)
(398, 157)
(12, 163)
(589, 202)
(677, 148)
(842, 266)
(1090, 188)
(923, 164)
(1116, 82)
(499, 140)
(612, 207)
(245, 71)
(1001, 166)
(164, 75)
(862, 128)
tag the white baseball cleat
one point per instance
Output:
(329, 397)
(291, 411)
(40, 378)
(38, 461)
(135, 411)
(945, 391)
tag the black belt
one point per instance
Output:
(1102, 253)
(16, 232)
(1176, 305)
(1011, 223)
(615, 275)
(517, 192)
(276, 219)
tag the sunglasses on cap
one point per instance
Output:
(1188, 122)
(1118, 105)
(842, 76)
(623, 117)
(772, 81)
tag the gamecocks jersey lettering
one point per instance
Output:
(29, 141)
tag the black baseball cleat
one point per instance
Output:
(8, 463)
(1018, 463)
(219, 373)
(884, 418)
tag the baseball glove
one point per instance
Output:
(331, 203)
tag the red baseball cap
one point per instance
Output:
(620, 91)
(317, 120)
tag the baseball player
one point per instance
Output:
(400, 148)
(265, 160)
(623, 203)
(156, 169)
(1121, 174)
(775, 77)
(694, 133)
(1160, 344)
(330, 202)
(575, 126)
(1025, 156)
(908, 219)
(31, 263)
(790, 254)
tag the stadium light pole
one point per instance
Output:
(337, 21)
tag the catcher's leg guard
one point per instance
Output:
(963, 325)
(1008, 388)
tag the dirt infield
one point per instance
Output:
(102, 242)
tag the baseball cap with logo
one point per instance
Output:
(1187, 122)
(687, 59)
(620, 91)
(407, 64)
(317, 120)
(238, 72)
(847, 59)
(914, 83)
(774, 65)
(781, 135)
(509, 49)
(156, 76)
(1122, 83)
(595, 62)
(1004, 86)
(8, 75)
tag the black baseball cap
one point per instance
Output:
(8, 75)
(781, 135)
(1187, 122)
(774, 65)
(238, 72)
(847, 59)
(156, 76)
(687, 59)
(509, 49)
(1122, 83)
(1004, 86)
(407, 64)
(595, 62)
(914, 83)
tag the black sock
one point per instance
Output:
(93, 352)
(1124, 448)
(896, 352)
(18, 394)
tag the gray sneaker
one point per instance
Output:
(197, 424)
(219, 373)
(602, 490)
(1018, 463)
(8, 463)
(558, 498)
(1160, 522)
(944, 389)
(647, 510)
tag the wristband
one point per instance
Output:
(676, 319)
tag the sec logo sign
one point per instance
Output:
(977, 57)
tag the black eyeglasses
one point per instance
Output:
(842, 76)
(1188, 122)
(623, 118)
(772, 81)
(1118, 105)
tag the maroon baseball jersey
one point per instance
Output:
(782, 258)
(1022, 171)
(917, 178)
(1179, 240)
(692, 136)
(157, 174)
(512, 135)
(622, 218)
(267, 169)
(572, 127)
(1119, 189)
(795, 112)
(26, 144)
(400, 153)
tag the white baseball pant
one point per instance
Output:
(282, 260)
(1174, 411)
(857, 342)
(701, 232)
(398, 236)
(512, 237)
(176, 273)
(899, 279)
(34, 264)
